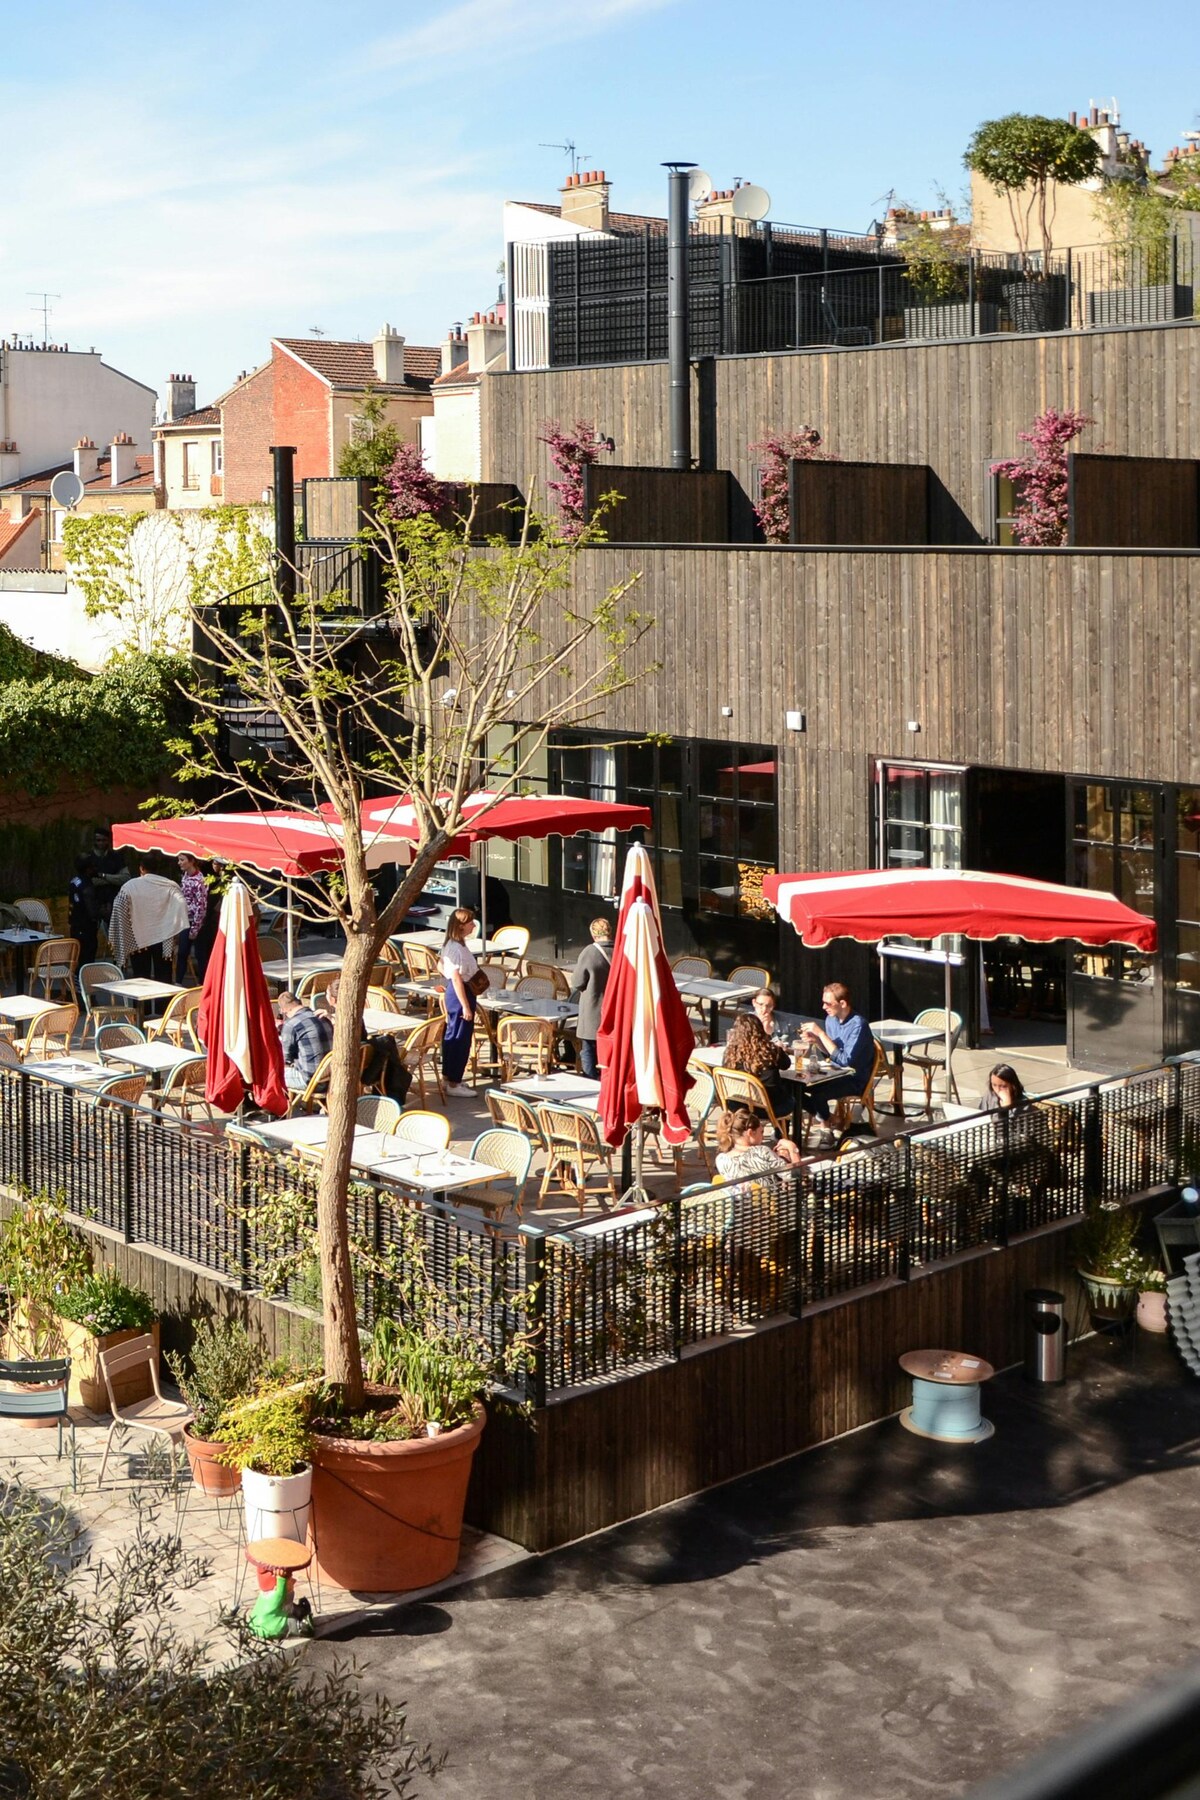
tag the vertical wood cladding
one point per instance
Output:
(661, 506)
(1134, 500)
(858, 503)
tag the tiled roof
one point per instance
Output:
(35, 484)
(617, 221)
(460, 377)
(11, 530)
(205, 415)
(353, 365)
(102, 480)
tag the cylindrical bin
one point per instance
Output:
(1045, 1335)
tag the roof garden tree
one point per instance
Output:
(478, 656)
(1025, 156)
(372, 451)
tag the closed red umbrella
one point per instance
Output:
(645, 1035)
(236, 1020)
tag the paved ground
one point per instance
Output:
(882, 1618)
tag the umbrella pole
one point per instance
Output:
(949, 1030)
(291, 970)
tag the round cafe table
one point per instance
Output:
(946, 1396)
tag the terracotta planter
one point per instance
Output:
(1152, 1310)
(210, 1476)
(389, 1517)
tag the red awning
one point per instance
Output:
(513, 816)
(275, 843)
(927, 903)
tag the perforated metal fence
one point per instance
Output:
(614, 1295)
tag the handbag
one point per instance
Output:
(478, 983)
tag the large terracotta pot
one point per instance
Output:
(210, 1476)
(388, 1516)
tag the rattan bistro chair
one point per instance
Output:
(512, 1113)
(745, 972)
(159, 1417)
(112, 1039)
(526, 1046)
(421, 1054)
(173, 1026)
(932, 1057)
(54, 964)
(843, 1110)
(428, 1130)
(183, 1089)
(377, 1112)
(574, 1148)
(511, 941)
(35, 912)
(534, 987)
(119, 1089)
(734, 1088)
(49, 1034)
(507, 1150)
(560, 987)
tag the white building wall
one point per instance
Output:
(457, 451)
(178, 496)
(47, 612)
(49, 399)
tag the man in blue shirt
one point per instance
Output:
(306, 1038)
(847, 1039)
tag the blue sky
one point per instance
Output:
(195, 181)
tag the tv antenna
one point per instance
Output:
(568, 149)
(44, 308)
(317, 331)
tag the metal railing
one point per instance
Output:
(605, 1299)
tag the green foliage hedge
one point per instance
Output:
(108, 729)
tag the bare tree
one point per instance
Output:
(480, 653)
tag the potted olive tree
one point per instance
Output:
(221, 1368)
(1026, 157)
(1108, 1265)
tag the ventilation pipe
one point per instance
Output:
(678, 361)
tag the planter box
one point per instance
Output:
(951, 319)
(1139, 305)
(1037, 305)
(87, 1380)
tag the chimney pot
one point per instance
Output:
(1072, 118)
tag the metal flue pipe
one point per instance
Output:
(284, 456)
(678, 361)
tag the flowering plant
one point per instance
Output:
(1042, 511)
(412, 489)
(775, 452)
(103, 1303)
(571, 450)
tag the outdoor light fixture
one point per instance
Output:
(795, 721)
(727, 712)
(605, 443)
(450, 696)
(914, 724)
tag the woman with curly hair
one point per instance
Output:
(741, 1150)
(749, 1049)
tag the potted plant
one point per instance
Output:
(390, 1482)
(1152, 1297)
(41, 1257)
(97, 1312)
(221, 1368)
(938, 278)
(267, 1437)
(1107, 1264)
(1022, 156)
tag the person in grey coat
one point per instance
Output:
(587, 989)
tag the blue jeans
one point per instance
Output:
(456, 1045)
(587, 1058)
(816, 1100)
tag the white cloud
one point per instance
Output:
(493, 28)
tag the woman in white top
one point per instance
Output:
(458, 966)
(740, 1136)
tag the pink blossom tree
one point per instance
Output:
(775, 452)
(411, 488)
(571, 450)
(1041, 514)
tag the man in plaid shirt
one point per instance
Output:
(306, 1039)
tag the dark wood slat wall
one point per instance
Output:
(955, 406)
(858, 503)
(1134, 500)
(675, 506)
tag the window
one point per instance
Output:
(654, 778)
(360, 430)
(736, 786)
(507, 752)
(1114, 847)
(218, 457)
(920, 816)
(191, 466)
(1187, 905)
(589, 861)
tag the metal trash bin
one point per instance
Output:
(1045, 1335)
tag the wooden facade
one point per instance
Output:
(956, 406)
(858, 503)
(1134, 500)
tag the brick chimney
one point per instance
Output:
(387, 351)
(585, 199)
(454, 349)
(87, 460)
(485, 338)
(179, 398)
(123, 455)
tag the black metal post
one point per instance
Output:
(676, 1206)
(678, 363)
(284, 456)
(243, 1220)
(1175, 1136)
(800, 1199)
(796, 312)
(1070, 290)
(535, 1315)
(972, 324)
(627, 1162)
(127, 1183)
(879, 332)
(904, 1260)
(25, 1147)
(1003, 1222)
(824, 251)
(1093, 1148)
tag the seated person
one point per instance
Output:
(850, 1045)
(1004, 1089)
(742, 1151)
(307, 1037)
(384, 1063)
(750, 1049)
(763, 1004)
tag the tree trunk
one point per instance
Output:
(343, 1356)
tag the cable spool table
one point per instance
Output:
(946, 1396)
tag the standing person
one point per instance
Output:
(83, 907)
(196, 942)
(112, 871)
(148, 915)
(848, 1039)
(587, 988)
(459, 968)
(307, 1037)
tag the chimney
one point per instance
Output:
(585, 199)
(87, 460)
(485, 338)
(123, 452)
(454, 349)
(387, 351)
(179, 398)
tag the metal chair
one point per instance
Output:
(376, 1112)
(735, 1087)
(573, 1148)
(526, 1046)
(49, 1034)
(421, 1053)
(112, 1039)
(38, 1399)
(54, 965)
(429, 1130)
(98, 1012)
(156, 1416)
(507, 1150)
(932, 1057)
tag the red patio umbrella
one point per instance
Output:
(236, 1020)
(645, 1035)
(871, 904)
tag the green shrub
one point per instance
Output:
(223, 1366)
(104, 1304)
(270, 1431)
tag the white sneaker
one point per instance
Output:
(458, 1087)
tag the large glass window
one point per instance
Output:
(1114, 853)
(1187, 904)
(736, 788)
(921, 817)
(589, 861)
(509, 750)
(654, 778)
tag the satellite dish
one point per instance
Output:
(66, 489)
(700, 186)
(750, 202)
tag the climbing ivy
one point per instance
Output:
(108, 729)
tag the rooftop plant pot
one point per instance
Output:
(389, 1515)
(87, 1379)
(1037, 305)
(1151, 305)
(951, 319)
(1152, 1310)
(1110, 1302)
(277, 1506)
(210, 1476)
